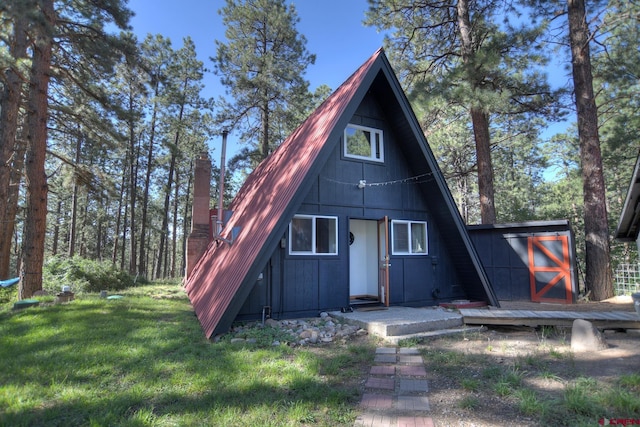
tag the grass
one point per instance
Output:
(143, 361)
(578, 400)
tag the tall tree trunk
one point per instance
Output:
(11, 207)
(174, 233)
(74, 203)
(265, 129)
(100, 228)
(56, 229)
(9, 112)
(133, 190)
(167, 195)
(125, 224)
(479, 120)
(121, 202)
(83, 227)
(142, 263)
(598, 276)
(35, 226)
(186, 223)
(164, 229)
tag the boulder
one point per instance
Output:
(586, 337)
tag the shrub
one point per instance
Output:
(83, 275)
(8, 294)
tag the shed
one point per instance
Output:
(350, 209)
(530, 261)
(629, 222)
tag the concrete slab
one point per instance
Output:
(396, 321)
(385, 358)
(430, 334)
(380, 383)
(383, 370)
(413, 386)
(386, 350)
(412, 371)
(410, 359)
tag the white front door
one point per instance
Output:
(363, 261)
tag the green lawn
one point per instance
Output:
(143, 360)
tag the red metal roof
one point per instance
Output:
(258, 207)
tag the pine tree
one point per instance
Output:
(262, 64)
(184, 75)
(598, 277)
(463, 52)
(12, 18)
(156, 54)
(36, 189)
(61, 36)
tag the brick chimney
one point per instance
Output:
(199, 237)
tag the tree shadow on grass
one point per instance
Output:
(128, 363)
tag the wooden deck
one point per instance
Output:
(603, 320)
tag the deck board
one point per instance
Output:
(611, 320)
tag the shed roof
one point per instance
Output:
(224, 276)
(629, 222)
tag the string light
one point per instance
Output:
(363, 182)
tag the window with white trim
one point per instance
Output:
(361, 142)
(409, 238)
(313, 235)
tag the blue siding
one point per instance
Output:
(306, 285)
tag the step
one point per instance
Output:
(395, 340)
(402, 321)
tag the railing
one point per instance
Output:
(627, 279)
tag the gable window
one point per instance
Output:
(313, 235)
(409, 238)
(362, 142)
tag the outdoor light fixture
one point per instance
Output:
(362, 184)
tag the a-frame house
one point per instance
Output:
(351, 208)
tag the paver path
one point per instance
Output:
(396, 390)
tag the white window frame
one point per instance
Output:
(376, 135)
(408, 224)
(314, 234)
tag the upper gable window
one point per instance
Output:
(361, 142)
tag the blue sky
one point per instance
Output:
(333, 28)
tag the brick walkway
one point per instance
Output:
(396, 390)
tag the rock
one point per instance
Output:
(586, 337)
(272, 323)
(306, 334)
(310, 331)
